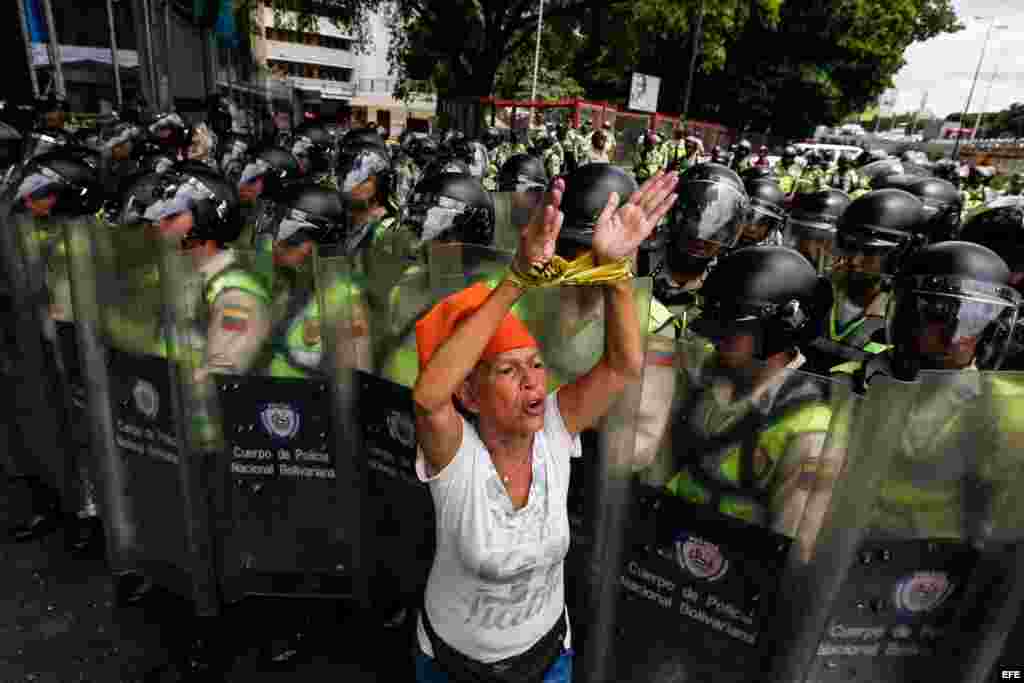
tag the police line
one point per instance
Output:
(727, 521)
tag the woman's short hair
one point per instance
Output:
(598, 139)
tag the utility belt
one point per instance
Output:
(528, 667)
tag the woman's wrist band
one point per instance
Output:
(582, 271)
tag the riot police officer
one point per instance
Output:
(875, 234)
(260, 185)
(198, 209)
(812, 179)
(767, 214)
(788, 170)
(942, 207)
(169, 139)
(1001, 229)
(741, 158)
(56, 185)
(417, 156)
(707, 221)
(649, 157)
(811, 226)
(310, 215)
(313, 147)
(521, 184)
(846, 178)
(760, 306)
(365, 180)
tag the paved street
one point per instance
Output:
(59, 624)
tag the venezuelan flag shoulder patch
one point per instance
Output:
(235, 319)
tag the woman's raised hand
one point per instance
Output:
(537, 238)
(619, 232)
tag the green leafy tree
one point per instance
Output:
(822, 60)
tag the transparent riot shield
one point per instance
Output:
(286, 491)
(917, 574)
(723, 517)
(512, 211)
(146, 448)
(41, 447)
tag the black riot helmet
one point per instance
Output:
(522, 173)
(586, 192)
(312, 145)
(878, 229)
(358, 163)
(309, 213)
(168, 131)
(767, 213)
(361, 136)
(451, 207)
(441, 165)
(952, 306)
(212, 200)
(276, 166)
(812, 225)
(743, 149)
(1001, 229)
(789, 154)
(771, 293)
(423, 150)
(707, 218)
(219, 114)
(64, 175)
(898, 181)
(942, 207)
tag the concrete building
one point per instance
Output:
(334, 82)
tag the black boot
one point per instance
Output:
(85, 536)
(46, 514)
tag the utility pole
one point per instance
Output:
(23, 22)
(984, 103)
(970, 94)
(694, 51)
(113, 54)
(54, 43)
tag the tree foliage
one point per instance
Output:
(822, 60)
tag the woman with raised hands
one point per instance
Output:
(495, 450)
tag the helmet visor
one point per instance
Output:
(296, 227)
(478, 162)
(948, 323)
(356, 170)
(181, 197)
(815, 240)
(39, 183)
(431, 215)
(520, 183)
(254, 171)
(760, 223)
(709, 211)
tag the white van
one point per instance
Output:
(804, 147)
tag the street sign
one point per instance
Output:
(643, 93)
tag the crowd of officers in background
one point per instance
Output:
(868, 227)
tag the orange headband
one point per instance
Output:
(438, 325)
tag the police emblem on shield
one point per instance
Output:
(922, 591)
(701, 558)
(279, 420)
(147, 400)
(402, 429)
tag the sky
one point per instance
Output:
(944, 66)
